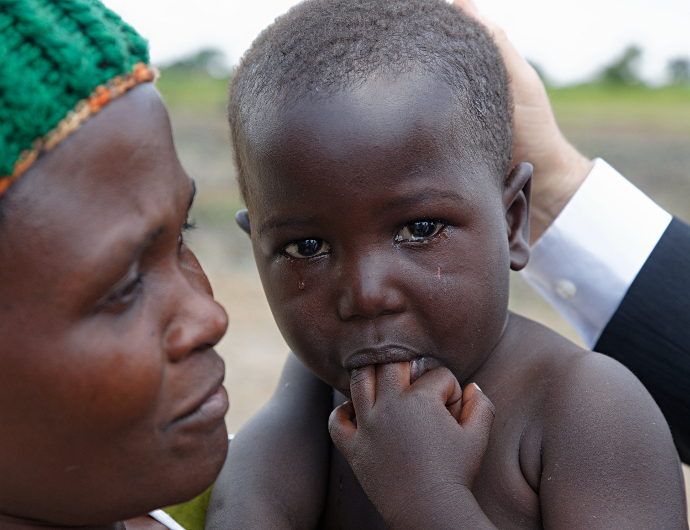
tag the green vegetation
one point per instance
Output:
(607, 106)
(618, 100)
(194, 91)
(197, 83)
(679, 70)
(216, 209)
(621, 107)
(624, 70)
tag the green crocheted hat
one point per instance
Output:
(60, 62)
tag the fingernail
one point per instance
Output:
(477, 387)
(417, 369)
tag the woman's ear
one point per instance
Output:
(242, 220)
(516, 198)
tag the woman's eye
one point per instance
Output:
(418, 230)
(188, 226)
(130, 291)
(125, 296)
(306, 248)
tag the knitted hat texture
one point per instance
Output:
(54, 54)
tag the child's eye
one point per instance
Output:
(306, 248)
(418, 230)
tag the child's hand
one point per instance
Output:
(559, 169)
(416, 449)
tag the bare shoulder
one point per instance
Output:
(604, 443)
(586, 387)
(580, 391)
(570, 377)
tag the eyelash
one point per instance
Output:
(187, 227)
(321, 243)
(123, 298)
(438, 230)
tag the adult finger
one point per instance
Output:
(518, 69)
(478, 412)
(468, 7)
(363, 388)
(342, 428)
(442, 383)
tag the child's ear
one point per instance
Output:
(242, 220)
(516, 198)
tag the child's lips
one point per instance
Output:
(419, 364)
(380, 355)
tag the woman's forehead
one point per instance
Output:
(114, 180)
(120, 153)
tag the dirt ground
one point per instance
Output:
(254, 350)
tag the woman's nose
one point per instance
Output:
(198, 321)
(369, 289)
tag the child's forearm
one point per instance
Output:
(276, 472)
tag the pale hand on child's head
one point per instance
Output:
(412, 442)
(559, 169)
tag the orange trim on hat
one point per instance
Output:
(83, 110)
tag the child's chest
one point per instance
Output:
(502, 489)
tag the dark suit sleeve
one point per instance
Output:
(650, 331)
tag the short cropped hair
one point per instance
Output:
(321, 47)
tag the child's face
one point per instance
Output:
(110, 391)
(378, 239)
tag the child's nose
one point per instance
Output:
(369, 289)
(197, 322)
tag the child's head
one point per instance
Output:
(323, 47)
(110, 396)
(373, 141)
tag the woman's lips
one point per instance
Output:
(211, 410)
(216, 405)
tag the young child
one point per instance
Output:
(373, 143)
(111, 396)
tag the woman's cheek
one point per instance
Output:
(116, 383)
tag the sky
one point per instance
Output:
(569, 39)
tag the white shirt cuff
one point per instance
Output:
(587, 259)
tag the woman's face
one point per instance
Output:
(111, 397)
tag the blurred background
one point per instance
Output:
(618, 75)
